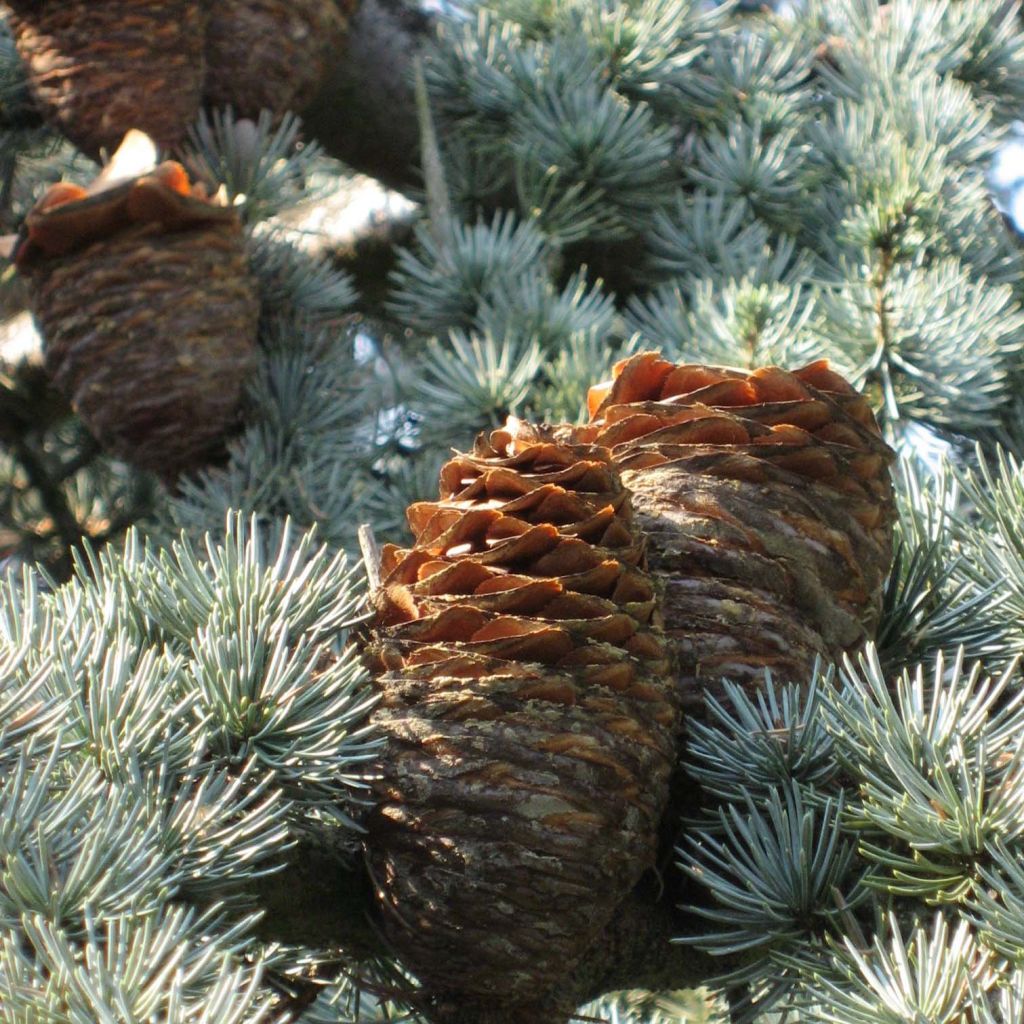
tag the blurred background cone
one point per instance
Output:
(270, 54)
(97, 68)
(142, 293)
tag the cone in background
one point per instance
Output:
(530, 711)
(766, 502)
(97, 68)
(147, 309)
(270, 54)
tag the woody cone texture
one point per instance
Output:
(148, 313)
(99, 67)
(270, 54)
(531, 716)
(767, 506)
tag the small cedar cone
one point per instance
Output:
(532, 722)
(767, 506)
(143, 296)
(97, 68)
(270, 54)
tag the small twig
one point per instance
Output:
(49, 490)
(8, 173)
(439, 209)
(371, 555)
(297, 994)
(736, 997)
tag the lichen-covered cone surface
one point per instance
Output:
(148, 313)
(270, 54)
(767, 505)
(97, 68)
(532, 721)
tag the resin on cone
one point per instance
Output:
(270, 54)
(97, 68)
(532, 723)
(143, 296)
(767, 505)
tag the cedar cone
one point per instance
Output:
(766, 502)
(270, 54)
(97, 68)
(531, 717)
(147, 310)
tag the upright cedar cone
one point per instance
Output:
(270, 54)
(531, 716)
(147, 309)
(767, 506)
(97, 68)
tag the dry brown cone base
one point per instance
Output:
(270, 54)
(99, 67)
(531, 718)
(766, 502)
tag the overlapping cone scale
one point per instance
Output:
(766, 502)
(532, 720)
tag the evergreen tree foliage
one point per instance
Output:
(182, 706)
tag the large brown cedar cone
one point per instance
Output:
(147, 311)
(531, 717)
(270, 54)
(97, 68)
(767, 506)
